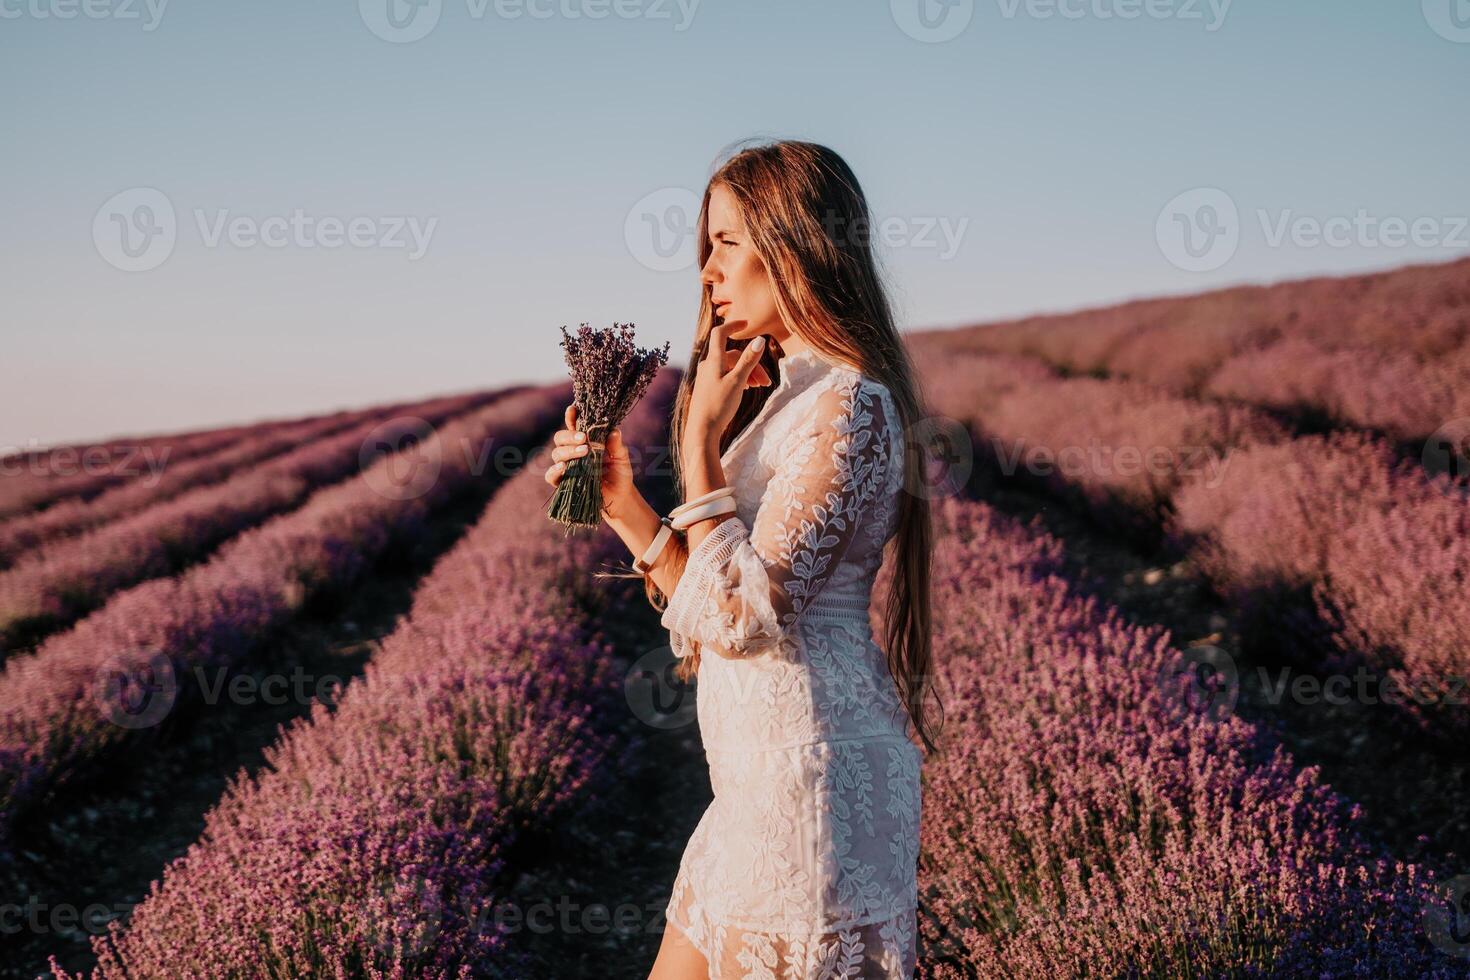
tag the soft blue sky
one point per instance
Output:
(1049, 143)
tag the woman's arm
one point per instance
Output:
(703, 473)
(637, 523)
(715, 397)
(744, 587)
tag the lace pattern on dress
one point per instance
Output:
(804, 866)
(744, 588)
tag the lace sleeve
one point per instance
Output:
(743, 588)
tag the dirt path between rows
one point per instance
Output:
(1408, 786)
(93, 856)
(599, 892)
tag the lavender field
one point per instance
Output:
(332, 697)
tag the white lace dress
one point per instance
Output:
(804, 865)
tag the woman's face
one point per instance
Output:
(736, 275)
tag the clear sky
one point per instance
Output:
(1026, 155)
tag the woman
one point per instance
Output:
(804, 864)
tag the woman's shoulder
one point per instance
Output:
(844, 375)
(849, 394)
(870, 387)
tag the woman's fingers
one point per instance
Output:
(568, 444)
(748, 359)
(717, 343)
(758, 377)
(573, 445)
(563, 453)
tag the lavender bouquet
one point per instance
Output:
(609, 376)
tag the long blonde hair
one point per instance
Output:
(808, 220)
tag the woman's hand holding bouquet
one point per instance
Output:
(593, 474)
(617, 467)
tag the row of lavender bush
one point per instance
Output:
(1385, 391)
(379, 838)
(1378, 549)
(71, 517)
(34, 479)
(1388, 351)
(1118, 449)
(120, 674)
(1180, 341)
(54, 585)
(1371, 548)
(1086, 818)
